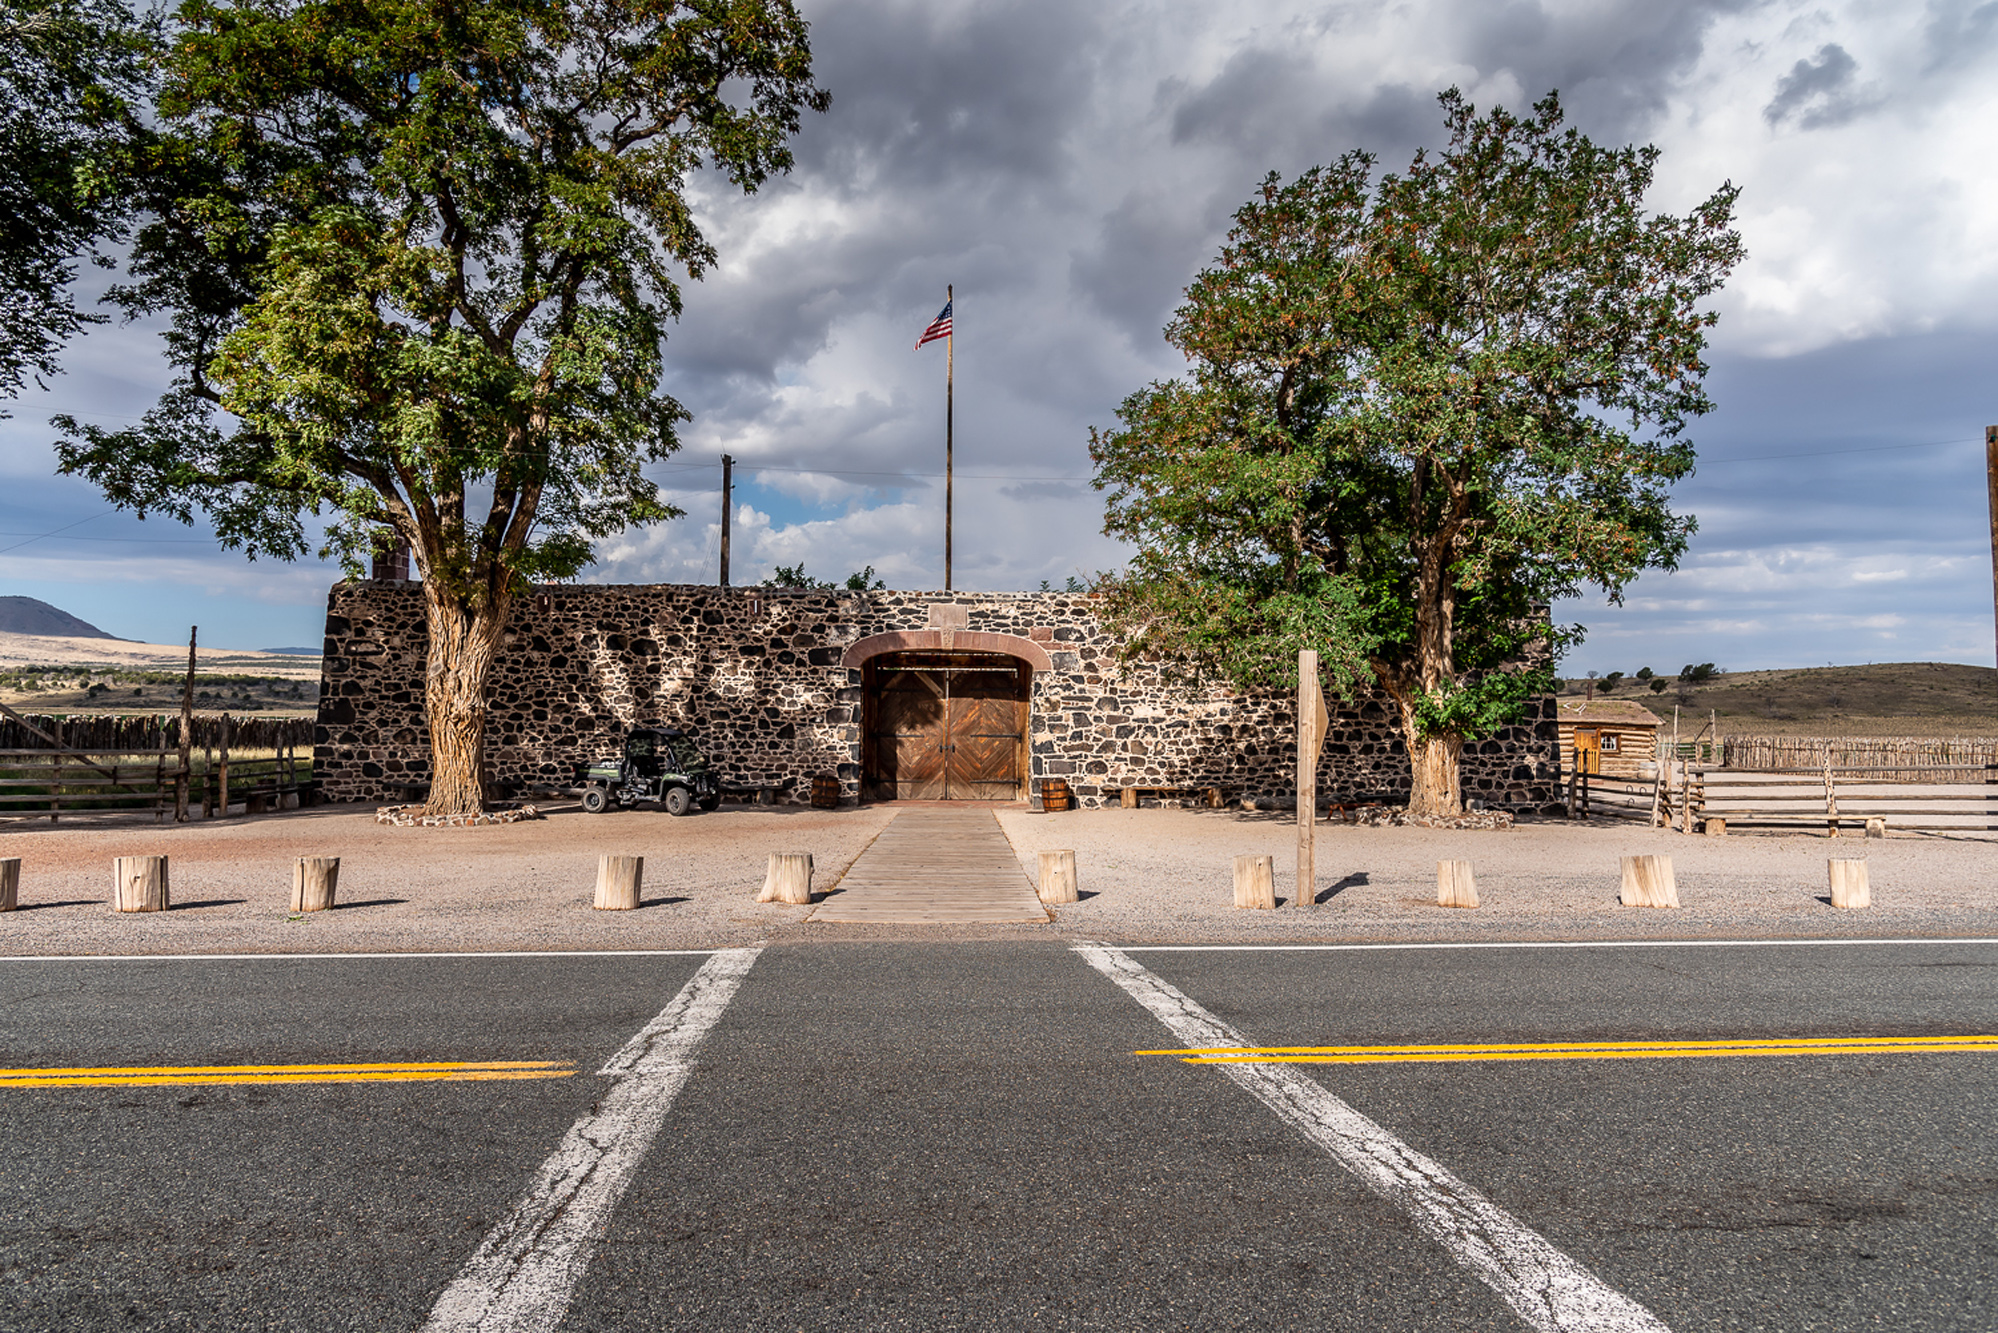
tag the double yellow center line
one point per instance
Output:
(141, 1076)
(1580, 1050)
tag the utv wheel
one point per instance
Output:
(712, 801)
(679, 801)
(595, 800)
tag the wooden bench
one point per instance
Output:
(1207, 796)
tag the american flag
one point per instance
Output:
(939, 328)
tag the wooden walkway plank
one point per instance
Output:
(935, 866)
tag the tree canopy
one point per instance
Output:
(72, 76)
(418, 258)
(1420, 408)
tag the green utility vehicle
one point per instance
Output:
(658, 764)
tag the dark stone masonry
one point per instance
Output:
(781, 685)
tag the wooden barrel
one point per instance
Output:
(1055, 795)
(825, 792)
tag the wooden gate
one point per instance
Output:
(946, 726)
(1588, 750)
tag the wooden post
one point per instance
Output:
(1058, 883)
(1876, 827)
(1648, 882)
(139, 884)
(55, 775)
(1848, 884)
(618, 879)
(1991, 480)
(1831, 799)
(1128, 798)
(728, 502)
(789, 879)
(313, 882)
(1255, 881)
(1311, 723)
(1456, 886)
(222, 775)
(186, 734)
(207, 779)
(10, 883)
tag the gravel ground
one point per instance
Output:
(1149, 876)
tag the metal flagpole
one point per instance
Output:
(950, 391)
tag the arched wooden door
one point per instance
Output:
(946, 726)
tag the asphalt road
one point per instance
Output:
(944, 1136)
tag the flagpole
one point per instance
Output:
(950, 391)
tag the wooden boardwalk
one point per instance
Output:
(935, 865)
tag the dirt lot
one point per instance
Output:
(1147, 876)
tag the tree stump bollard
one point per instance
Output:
(1648, 882)
(1849, 887)
(1058, 883)
(139, 884)
(1255, 881)
(789, 879)
(313, 882)
(10, 883)
(618, 879)
(1716, 827)
(1876, 827)
(1456, 886)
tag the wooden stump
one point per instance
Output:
(313, 881)
(1716, 827)
(618, 879)
(1255, 881)
(1128, 798)
(1058, 877)
(1648, 882)
(139, 884)
(10, 883)
(1456, 886)
(789, 879)
(1848, 884)
(1876, 827)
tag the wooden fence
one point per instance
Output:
(1894, 758)
(55, 765)
(1957, 796)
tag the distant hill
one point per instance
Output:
(28, 615)
(1884, 699)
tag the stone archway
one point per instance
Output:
(946, 714)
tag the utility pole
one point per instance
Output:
(1991, 479)
(728, 486)
(950, 390)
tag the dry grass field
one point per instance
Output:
(51, 674)
(1887, 699)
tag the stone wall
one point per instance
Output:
(758, 675)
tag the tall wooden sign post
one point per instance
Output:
(1991, 477)
(1311, 724)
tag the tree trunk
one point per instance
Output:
(1433, 762)
(463, 639)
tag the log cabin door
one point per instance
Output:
(946, 726)
(1588, 750)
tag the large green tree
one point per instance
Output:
(1420, 408)
(421, 254)
(72, 79)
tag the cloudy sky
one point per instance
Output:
(1069, 168)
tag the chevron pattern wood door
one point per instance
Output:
(909, 735)
(985, 724)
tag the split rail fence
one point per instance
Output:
(1805, 783)
(52, 766)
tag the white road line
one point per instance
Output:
(1536, 944)
(1546, 1288)
(257, 957)
(522, 1276)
